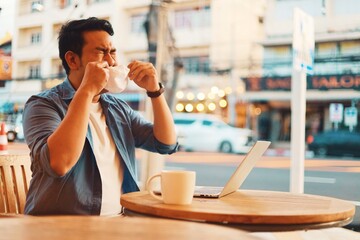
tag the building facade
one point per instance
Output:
(236, 55)
(336, 76)
(215, 40)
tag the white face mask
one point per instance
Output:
(118, 79)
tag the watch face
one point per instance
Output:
(157, 93)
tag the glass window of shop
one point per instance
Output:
(196, 64)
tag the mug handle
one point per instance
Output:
(150, 190)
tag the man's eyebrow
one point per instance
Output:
(106, 49)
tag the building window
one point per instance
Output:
(61, 71)
(65, 3)
(96, 1)
(326, 50)
(34, 71)
(192, 18)
(195, 65)
(35, 38)
(137, 23)
(350, 47)
(37, 6)
(278, 52)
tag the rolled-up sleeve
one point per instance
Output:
(40, 119)
(144, 135)
(165, 148)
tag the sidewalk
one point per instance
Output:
(283, 149)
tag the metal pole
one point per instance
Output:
(153, 163)
(298, 111)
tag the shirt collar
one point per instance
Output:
(68, 90)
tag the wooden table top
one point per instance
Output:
(250, 207)
(108, 228)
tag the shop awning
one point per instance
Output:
(311, 95)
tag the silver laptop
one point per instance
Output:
(238, 177)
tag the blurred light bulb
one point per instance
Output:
(212, 106)
(200, 96)
(257, 111)
(211, 95)
(190, 96)
(228, 90)
(180, 95)
(214, 89)
(179, 107)
(200, 107)
(189, 107)
(223, 103)
(221, 93)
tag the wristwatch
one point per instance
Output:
(156, 93)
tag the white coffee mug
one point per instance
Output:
(177, 187)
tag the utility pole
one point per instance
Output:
(155, 27)
(161, 48)
(303, 60)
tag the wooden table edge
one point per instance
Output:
(345, 216)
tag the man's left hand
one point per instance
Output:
(144, 75)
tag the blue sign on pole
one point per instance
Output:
(303, 42)
(350, 116)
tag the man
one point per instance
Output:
(83, 140)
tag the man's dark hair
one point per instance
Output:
(71, 36)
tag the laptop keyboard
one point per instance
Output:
(207, 190)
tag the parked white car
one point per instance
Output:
(207, 133)
(14, 128)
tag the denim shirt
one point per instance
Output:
(79, 190)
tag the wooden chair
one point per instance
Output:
(15, 175)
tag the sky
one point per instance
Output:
(7, 17)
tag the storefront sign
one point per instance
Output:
(350, 116)
(326, 82)
(5, 68)
(336, 112)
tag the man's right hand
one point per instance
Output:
(95, 77)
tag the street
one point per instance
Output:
(328, 177)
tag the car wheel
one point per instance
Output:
(321, 151)
(226, 147)
(11, 136)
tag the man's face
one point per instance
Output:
(97, 48)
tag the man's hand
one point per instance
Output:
(144, 75)
(95, 77)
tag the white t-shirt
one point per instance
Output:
(108, 162)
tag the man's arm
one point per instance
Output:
(145, 76)
(67, 141)
(164, 128)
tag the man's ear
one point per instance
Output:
(73, 60)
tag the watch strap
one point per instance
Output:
(156, 93)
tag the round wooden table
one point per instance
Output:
(251, 210)
(108, 228)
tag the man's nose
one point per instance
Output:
(110, 59)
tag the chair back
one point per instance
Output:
(15, 175)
